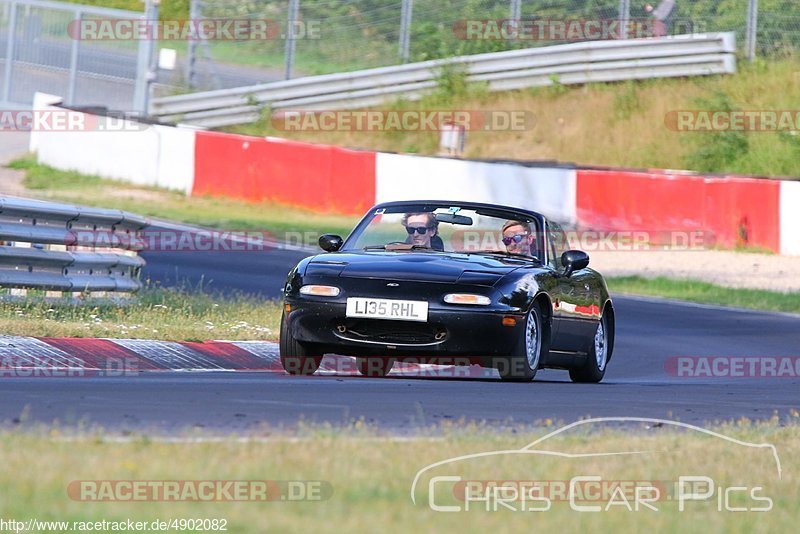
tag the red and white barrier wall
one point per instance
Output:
(733, 210)
(319, 177)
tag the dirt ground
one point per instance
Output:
(12, 145)
(724, 268)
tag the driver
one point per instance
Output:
(423, 229)
(518, 238)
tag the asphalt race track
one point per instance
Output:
(638, 381)
(256, 272)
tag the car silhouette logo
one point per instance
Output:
(533, 447)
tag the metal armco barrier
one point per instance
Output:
(596, 61)
(33, 231)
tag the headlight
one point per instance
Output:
(466, 298)
(320, 291)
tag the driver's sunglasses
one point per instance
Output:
(514, 239)
(421, 230)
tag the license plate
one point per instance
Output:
(399, 310)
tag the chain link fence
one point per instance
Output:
(309, 37)
(344, 35)
(38, 52)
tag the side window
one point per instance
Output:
(558, 244)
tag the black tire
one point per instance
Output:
(519, 367)
(296, 358)
(594, 368)
(374, 367)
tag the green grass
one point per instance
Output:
(312, 57)
(154, 313)
(706, 293)
(228, 214)
(371, 474)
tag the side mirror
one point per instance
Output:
(330, 242)
(574, 260)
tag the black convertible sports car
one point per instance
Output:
(450, 283)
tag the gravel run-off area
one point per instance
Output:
(725, 268)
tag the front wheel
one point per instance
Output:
(296, 358)
(522, 366)
(594, 369)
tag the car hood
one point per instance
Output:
(416, 266)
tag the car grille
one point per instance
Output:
(390, 332)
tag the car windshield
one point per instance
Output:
(448, 229)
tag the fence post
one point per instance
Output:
(145, 73)
(191, 53)
(12, 30)
(624, 17)
(291, 39)
(73, 61)
(405, 29)
(513, 26)
(515, 11)
(752, 29)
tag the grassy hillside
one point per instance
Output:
(619, 124)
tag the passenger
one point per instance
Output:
(519, 239)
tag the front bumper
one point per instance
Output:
(453, 331)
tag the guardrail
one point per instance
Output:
(60, 247)
(596, 61)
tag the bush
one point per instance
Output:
(716, 151)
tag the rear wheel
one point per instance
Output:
(374, 367)
(522, 366)
(594, 369)
(297, 358)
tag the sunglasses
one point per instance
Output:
(514, 239)
(421, 230)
